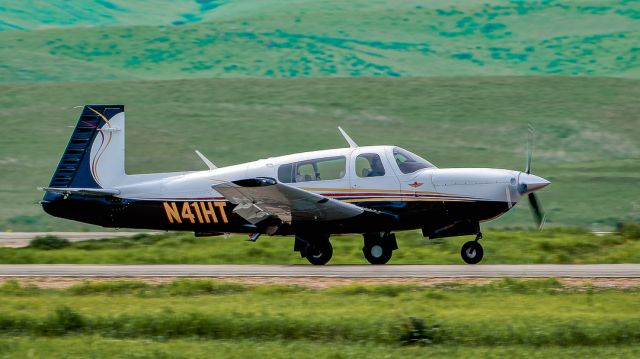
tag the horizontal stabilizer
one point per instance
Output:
(85, 191)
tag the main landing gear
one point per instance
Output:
(320, 253)
(472, 251)
(316, 248)
(378, 247)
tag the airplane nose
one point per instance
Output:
(529, 183)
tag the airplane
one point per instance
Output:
(368, 190)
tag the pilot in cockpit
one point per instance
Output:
(376, 167)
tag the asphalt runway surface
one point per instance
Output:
(328, 271)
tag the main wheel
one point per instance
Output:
(377, 253)
(472, 252)
(320, 253)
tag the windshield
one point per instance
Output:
(409, 162)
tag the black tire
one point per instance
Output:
(472, 252)
(377, 253)
(320, 253)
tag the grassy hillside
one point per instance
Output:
(43, 15)
(455, 102)
(118, 40)
(587, 131)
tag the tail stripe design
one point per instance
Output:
(101, 149)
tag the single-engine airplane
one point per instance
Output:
(369, 190)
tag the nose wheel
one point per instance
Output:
(472, 251)
(378, 247)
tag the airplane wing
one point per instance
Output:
(85, 191)
(262, 197)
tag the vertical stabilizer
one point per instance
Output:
(94, 157)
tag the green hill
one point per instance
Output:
(587, 131)
(42, 15)
(455, 81)
(114, 40)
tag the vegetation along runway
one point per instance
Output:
(340, 271)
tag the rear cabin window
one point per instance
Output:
(322, 169)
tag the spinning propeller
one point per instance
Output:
(528, 183)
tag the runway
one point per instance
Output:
(329, 271)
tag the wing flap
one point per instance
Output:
(259, 198)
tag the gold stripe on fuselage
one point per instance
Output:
(373, 190)
(396, 199)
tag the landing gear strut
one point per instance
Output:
(472, 251)
(317, 249)
(378, 247)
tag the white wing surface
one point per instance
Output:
(263, 197)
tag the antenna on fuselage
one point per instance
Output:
(351, 142)
(206, 161)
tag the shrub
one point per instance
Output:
(138, 240)
(375, 290)
(110, 288)
(48, 242)
(64, 320)
(13, 287)
(186, 287)
(415, 331)
(630, 230)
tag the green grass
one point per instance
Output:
(586, 145)
(506, 312)
(86, 40)
(200, 318)
(501, 246)
(98, 347)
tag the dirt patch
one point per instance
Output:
(314, 282)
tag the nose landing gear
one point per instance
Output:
(472, 251)
(378, 247)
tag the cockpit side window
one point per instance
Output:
(409, 162)
(369, 165)
(285, 173)
(321, 169)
